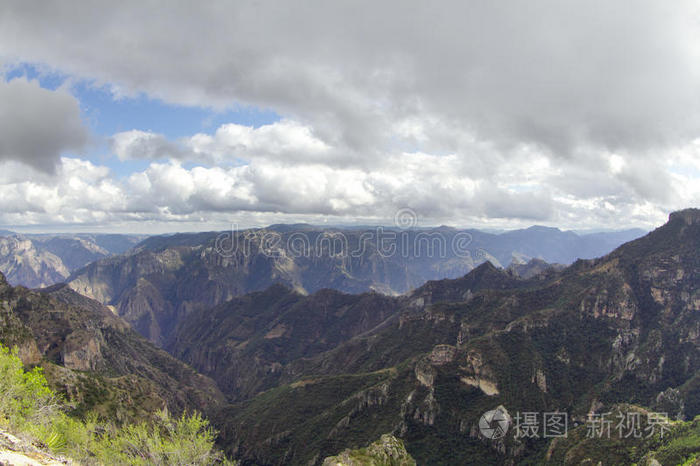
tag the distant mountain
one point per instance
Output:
(553, 245)
(534, 268)
(26, 264)
(165, 278)
(41, 260)
(335, 371)
(95, 359)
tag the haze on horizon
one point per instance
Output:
(135, 117)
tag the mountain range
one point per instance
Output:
(309, 376)
(165, 278)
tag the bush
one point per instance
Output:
(28, 406)
(25, 397)
(187, 440)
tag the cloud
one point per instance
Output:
(136, 144)
(284, 168)
(37, 125)
(284, 141)
(469, 111)
(78, 192)
(168, 194)
(558, 74)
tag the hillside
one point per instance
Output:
(37, 429)
(245, 344)
(679, 444)
(95, 359)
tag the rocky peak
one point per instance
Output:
(689, 216)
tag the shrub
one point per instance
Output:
(25, 397)
(187, 440)
(28, 405)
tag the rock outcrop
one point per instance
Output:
(17, 452)
(387, 451)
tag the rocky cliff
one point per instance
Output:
(247, 344)
(41, 260)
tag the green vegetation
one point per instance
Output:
(25, 398)
(681, 445)
(31, 409)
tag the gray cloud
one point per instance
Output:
(556, 73)
(136, 144)
(37, 125)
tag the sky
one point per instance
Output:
(156, 117)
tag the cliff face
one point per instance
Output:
(13, 332)
(86, 349)
(620, 329)
(23, 263)
(158, 286)
(166, 278)
(41, 260)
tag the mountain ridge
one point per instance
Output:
(163, 279)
